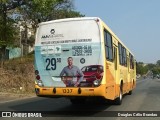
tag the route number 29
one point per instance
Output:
(51, 64)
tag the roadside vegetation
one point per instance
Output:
(26, 14)
(17, 75)
(152, 69)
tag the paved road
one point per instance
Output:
(146, 97)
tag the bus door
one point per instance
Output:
(128, 75)
(115, 64)
(115, 59)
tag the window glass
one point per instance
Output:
(124, 57)
(110, 53)
(131, 61)
(109, 41)
(120, 53)
(108, 45)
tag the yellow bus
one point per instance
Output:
(81, 58)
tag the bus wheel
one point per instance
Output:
(77, 101)
(130, 92)
(118, 101)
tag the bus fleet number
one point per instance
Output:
(67, 90)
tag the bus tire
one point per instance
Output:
(130, 92)
(118, 101)
(77, 101)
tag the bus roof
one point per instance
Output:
(69, 19)
(85, 18)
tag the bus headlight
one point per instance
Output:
(40, 83)
(96, 82)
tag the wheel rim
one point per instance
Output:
(120, 96)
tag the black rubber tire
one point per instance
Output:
(130, 92)
(77, 101)
(118, 101)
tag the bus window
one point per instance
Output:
(108, 45)
(131, 61)
(120, 53)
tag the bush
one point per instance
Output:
(18, 75)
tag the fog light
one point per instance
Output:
(96, 82)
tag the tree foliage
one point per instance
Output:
(8, 32)
(151, 66)
(156, 70)
(143, 69)
(28, 12)
(158, 63)
(35, 11)
(45, 10)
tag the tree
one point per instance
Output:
(45, 10)
(7, 31)
(158, 63)
(156, 71)
(151, 66)
(34, 11)
(141, 69)
(28, 12)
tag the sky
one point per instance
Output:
(135, 22)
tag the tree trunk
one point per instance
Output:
(3, 55)
(4, 37)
